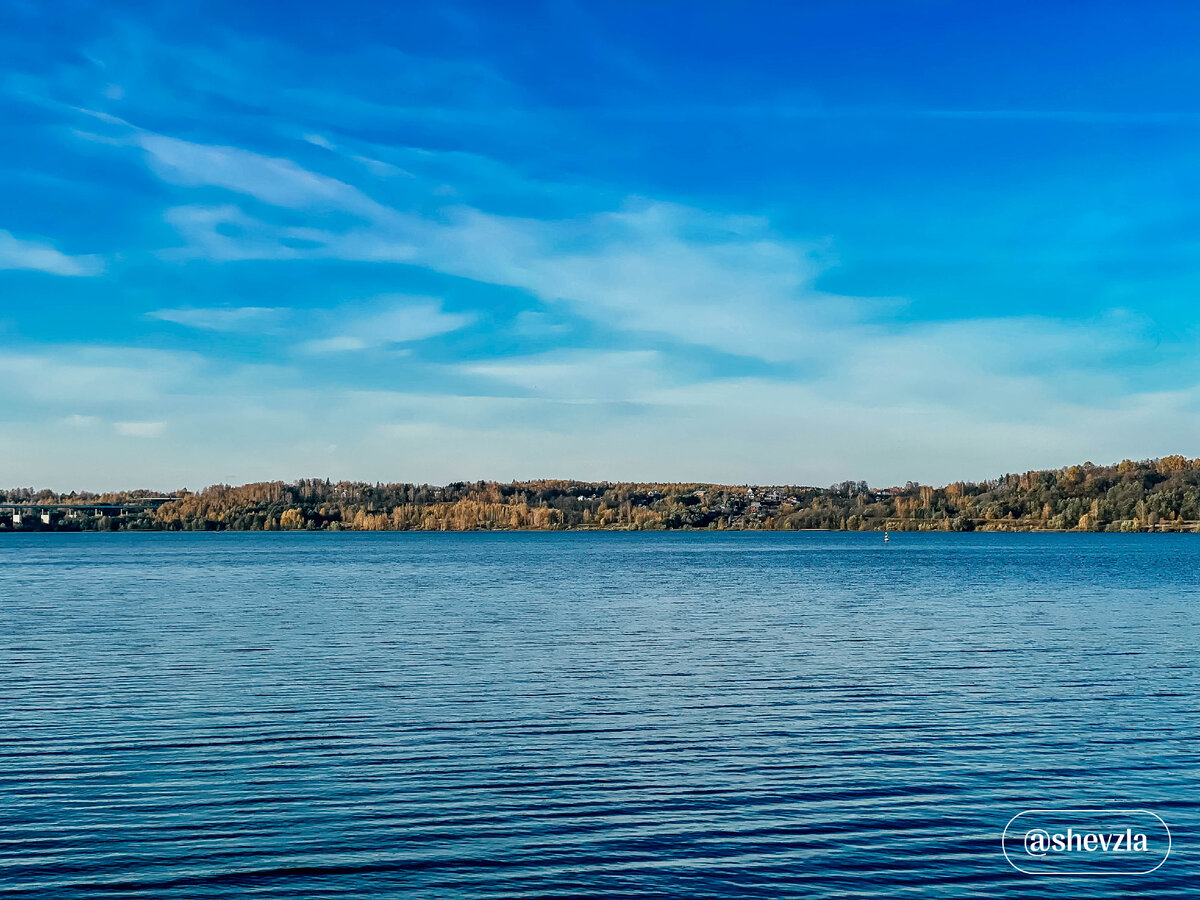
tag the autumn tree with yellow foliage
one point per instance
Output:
(1142, 495)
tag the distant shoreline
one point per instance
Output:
(607, 530)
(1147, 496)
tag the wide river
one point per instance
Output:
(587, 715)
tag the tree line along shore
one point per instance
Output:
(1132, 496)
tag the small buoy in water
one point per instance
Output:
(885, 537)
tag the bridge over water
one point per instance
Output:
(18, 514)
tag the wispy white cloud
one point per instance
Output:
(140, 429)
(279, 182)
(724, 282)
(721, 282)
(226, 234)
(579, 376)
(77, 420)
(393, 319)
(340, 344)
(319, 140)
(17, 253)
(647, 270)
(222, 318)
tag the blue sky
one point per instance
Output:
(788, 243)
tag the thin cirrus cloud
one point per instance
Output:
(390, 319)
(240, 318)
(578, 377)
(78, 420)
(728, 283)
(18, 253)
(401, 320)
(723, 282)
(647, 268)
(280, 182)
(140, 429)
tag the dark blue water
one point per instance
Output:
(586, 715)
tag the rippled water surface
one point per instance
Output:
(586, 715)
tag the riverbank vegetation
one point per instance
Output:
(1148, 495)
